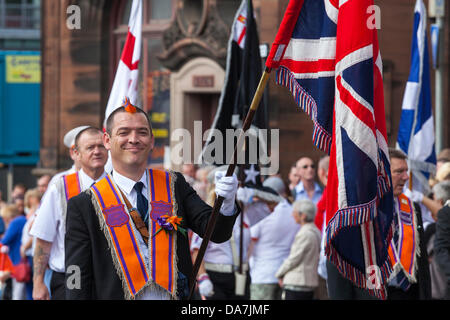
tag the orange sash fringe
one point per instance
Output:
(162, 246)
(123, 236)
(403, 255)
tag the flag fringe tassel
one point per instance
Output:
(352, 217)
(321, 138)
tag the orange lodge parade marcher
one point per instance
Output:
(49, 226)
(215, 154)
(410, 279)
(123, 257)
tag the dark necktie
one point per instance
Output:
(142, 203)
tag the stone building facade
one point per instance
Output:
(182, 62)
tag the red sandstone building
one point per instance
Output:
(182, 69)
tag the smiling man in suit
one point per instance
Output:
(126, 234)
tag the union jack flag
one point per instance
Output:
(334, 72)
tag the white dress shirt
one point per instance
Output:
(300, 192)
(273, 238)
(222, 253)
(49, 225)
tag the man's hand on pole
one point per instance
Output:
(226, 187)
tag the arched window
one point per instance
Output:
(154, 78)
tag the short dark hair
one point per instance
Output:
(88, 129)
(110, 120)
(20, 185)
(397, 154)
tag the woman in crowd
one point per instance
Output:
(14, 222)
(298, 274)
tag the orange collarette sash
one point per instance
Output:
(122, 235)
(72, 185)
(403, 254)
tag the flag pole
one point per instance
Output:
(219, 200)
(410, 180)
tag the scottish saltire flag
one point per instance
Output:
(126, 79)
(328, 57)
(416, 131)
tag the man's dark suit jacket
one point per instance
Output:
(423, 277)
(442, 244)
(87, 247)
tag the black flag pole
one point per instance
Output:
(219, 200)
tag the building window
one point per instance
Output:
(20, 22)
(160, 11)
(20, 14)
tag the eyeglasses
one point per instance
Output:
(310, 166)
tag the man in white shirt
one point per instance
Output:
(69, 142)
(307, 188)
(221, 263)
(272, 238)
(49, 226)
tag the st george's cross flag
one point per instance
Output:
(126, 79)
(327, 54)
(416, 131)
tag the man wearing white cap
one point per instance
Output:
(49, 226)
(69, 142)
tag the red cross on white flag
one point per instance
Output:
(126, 79)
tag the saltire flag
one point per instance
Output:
(328, 56)
(126, 79)
(242, 74)
(416, 131)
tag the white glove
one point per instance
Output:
(205, 285)
(414, 196)
(245, 195)
(226, 187)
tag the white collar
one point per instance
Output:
(87, 181)
(127, 184)
(300, 187)
(280, 204)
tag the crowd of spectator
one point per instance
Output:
(277, 247)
